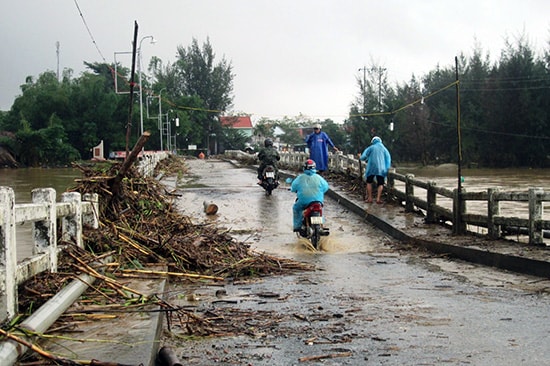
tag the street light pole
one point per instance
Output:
(140, 85)
(177, 120)
(168, 129)
(364, 68)
(160, 117)
(380, 70)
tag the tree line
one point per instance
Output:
(503, 108)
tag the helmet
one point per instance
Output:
(268, 142)
(309, 165)
(375, 139)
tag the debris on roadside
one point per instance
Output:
(140, 230)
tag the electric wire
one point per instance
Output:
(89, 31)
(115, 74)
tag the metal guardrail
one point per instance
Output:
(495, 222)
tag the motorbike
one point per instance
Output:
(269, 180)
(312, 223)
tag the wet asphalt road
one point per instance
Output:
(366, 303)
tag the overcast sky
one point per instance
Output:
(288, 56)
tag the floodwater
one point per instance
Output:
(23, 181)
(263, 221)
(366, 302)
(479, 180)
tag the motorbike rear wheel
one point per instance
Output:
(315, 235)
(270, 184)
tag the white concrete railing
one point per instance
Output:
(293, 159)
(149, 161)
(74, 212)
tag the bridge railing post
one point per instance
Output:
(45, 231)
(535, 216)
(8, 254)
(431, 199)
(493, 209)
(390, 185)
(91, 217)
(71, 225)
(459, 209)
(409, 193)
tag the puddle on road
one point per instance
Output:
(265, 222)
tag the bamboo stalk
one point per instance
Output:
(174, 274)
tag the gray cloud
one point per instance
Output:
(289, 56)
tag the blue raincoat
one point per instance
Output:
(309, 187)
(378, 158)
(318, 144)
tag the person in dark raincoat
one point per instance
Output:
(318, 143)
(378, 160)
(268, 155)
(309, 187)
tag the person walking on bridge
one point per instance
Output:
(378, 160)
(318, 143)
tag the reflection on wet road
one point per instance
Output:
(263, 221)
(366, 300)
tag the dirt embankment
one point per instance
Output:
(6, 159)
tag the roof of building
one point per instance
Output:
(236, 121)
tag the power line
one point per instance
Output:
(89, 31)
(448, 124)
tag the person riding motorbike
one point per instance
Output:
(268, 155)
(309, 187)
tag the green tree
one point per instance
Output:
(518, 116)
(291, 131)
(475, 105)
(199, 89)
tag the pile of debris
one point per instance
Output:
(139, 227)
(140, 232)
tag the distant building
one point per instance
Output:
(241, 123)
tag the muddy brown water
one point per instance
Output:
(366, 302)
(23, 181)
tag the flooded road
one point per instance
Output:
(263, 221)
(366, 303)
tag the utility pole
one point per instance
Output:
(131, 103)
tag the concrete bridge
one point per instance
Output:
(406, 226)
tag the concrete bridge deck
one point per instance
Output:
(391, 218)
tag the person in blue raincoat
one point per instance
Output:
(309, 187)
(378, 160)
(318, 143)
